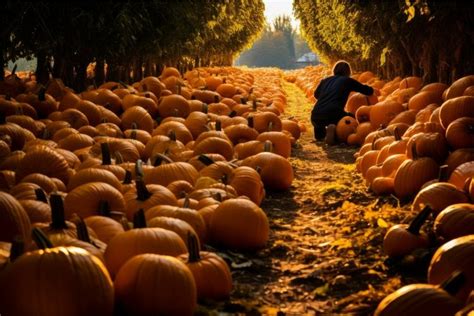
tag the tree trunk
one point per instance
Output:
(99, 72)
(2, 64)
(42, 75)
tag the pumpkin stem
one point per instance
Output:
(134, 125)
(454, 283)
(139, 220)
(46, 133)
(396, 133)
(250, 121)
(443, 175)
(17, 248)
(232, 113)
(193, 248)
(160, 158)
(419, 220)
(216, 99)
(414, 152)
(128, 177)
(186, 201)
(123, 84)
(105, 149)
(242, 100)
(258, 169)
(3, 120)
(104, 209)
(225, 179)
(123, 220)
(172, 135)
(205, 159)
(218, 197)
(40, 195)
(57, 212)
(268, 146)
(42, 94)
(118, 157)
(41, 240)
(254, 105)
(139, 169)
(205, 108)
(270, 126)
(218, 125)
(142, 192)
(81, 229)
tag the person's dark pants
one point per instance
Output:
(320, 121)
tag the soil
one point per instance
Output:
(325, 253)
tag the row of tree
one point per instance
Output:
(134, 39)
(428, 38)
(279, 46)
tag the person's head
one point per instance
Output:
(341, 68)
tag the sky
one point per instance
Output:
(274, 8)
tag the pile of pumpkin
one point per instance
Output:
(418, 141)
(128, 182)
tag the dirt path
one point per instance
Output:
(325, 255)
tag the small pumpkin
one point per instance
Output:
(207, 266)
(401, 239)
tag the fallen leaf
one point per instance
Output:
(382, 223)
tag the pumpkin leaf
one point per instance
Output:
(382, 223)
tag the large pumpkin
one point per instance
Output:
(151, 284)
(128, 244)
(240, 224)
(58, 281)
(457, 254)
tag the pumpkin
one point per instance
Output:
(173, 105)
(422, 299)
(411, 82)
(207, 266)
(168, 288)
(422, 99)
(460, 133)
(239, 224)
(86, 199)
(43, 181)
(457, 254)
(461, 174)
(455, 221)
(14, 221)
(401, 239)
(93, 175)
(358, 100)
(246, 181)
(54, 277)
(137, 116)
(383, 185)
(38, 211)
(413, 173)
(46, 161)
(147, 196)
(275, 171)
(455, 108)
(181, 131)
(433, 145)
(168, 172)
(346, 126)
(439, 196)
(383, 112)
(105, 227)
(184, 213)
(179, 226)
(214, 145)
(137, 241)
(240, 133)
(457, 87)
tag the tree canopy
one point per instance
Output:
(130, 37)
(428, 38)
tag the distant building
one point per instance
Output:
(308, 59)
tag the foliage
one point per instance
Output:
(277, 47)
(131, 37)
(430, 38)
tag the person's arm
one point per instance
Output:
(359, 87)
(317, 91)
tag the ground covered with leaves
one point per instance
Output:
(325, 251)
